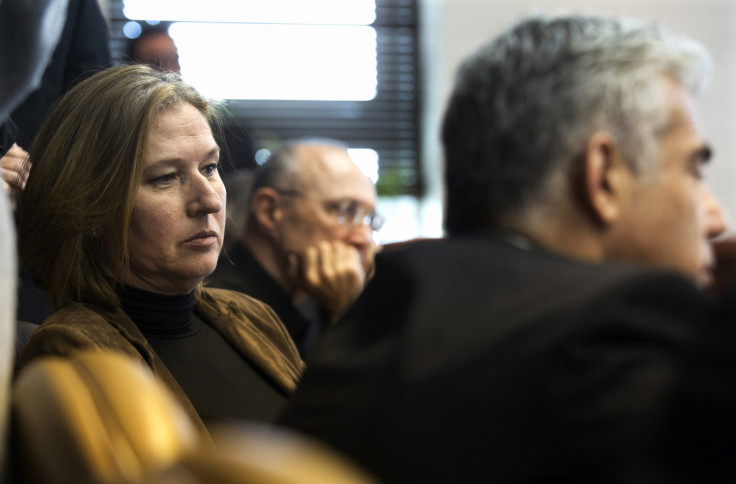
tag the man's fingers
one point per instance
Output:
(311, 267)
(328, 259)
(341, 259)
(14, 158)
(13, 178)
(13, 165)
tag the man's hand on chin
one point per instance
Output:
(332, 273)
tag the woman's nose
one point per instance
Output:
(208, 195)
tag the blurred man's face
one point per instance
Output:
(672, 215)
(331, 184)
(159, 51)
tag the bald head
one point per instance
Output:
(311, 164)
(326, 170)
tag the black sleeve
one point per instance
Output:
(703, 416)
(82, 49)
(89, 50)
(8, 135)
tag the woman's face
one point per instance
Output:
(178, 220)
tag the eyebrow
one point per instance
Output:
(171, 161)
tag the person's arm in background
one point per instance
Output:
(13, 173)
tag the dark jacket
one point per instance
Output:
(249, 325)
(82, 50)
(473, 360)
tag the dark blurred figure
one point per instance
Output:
(155, 47)
(82, 49)
(36, 25)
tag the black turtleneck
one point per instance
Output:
(157, 314)
(220, 382)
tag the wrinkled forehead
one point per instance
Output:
(179, 132)
(328, 173)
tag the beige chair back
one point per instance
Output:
(95, 417)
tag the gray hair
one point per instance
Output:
(525, 104)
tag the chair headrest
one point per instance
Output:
(95, 417)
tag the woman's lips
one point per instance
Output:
(202, 239)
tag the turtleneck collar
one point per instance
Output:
(157, 314)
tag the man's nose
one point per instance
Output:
(715, 218)
(361, 235)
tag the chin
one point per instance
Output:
(199, 272)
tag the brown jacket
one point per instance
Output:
(248, 324)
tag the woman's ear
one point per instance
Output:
(605, 179)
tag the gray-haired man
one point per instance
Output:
(531, 345)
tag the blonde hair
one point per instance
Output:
(87, 161)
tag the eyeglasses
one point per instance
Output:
(350, 213)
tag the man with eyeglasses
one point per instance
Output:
(307, 248)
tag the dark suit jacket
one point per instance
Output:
(473, 360)
(82, 50)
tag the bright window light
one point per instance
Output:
(333, 12)
(367, 161)
(294, 62)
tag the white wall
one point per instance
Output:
(453, 28)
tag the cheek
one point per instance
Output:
(687, 215)
(150, 227)
(680, 202)
(303, 228)
(325, 228)
(691, 209)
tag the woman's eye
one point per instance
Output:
(163, 179)
(210, 169)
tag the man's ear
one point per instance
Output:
(605, 178)
(266, 209)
